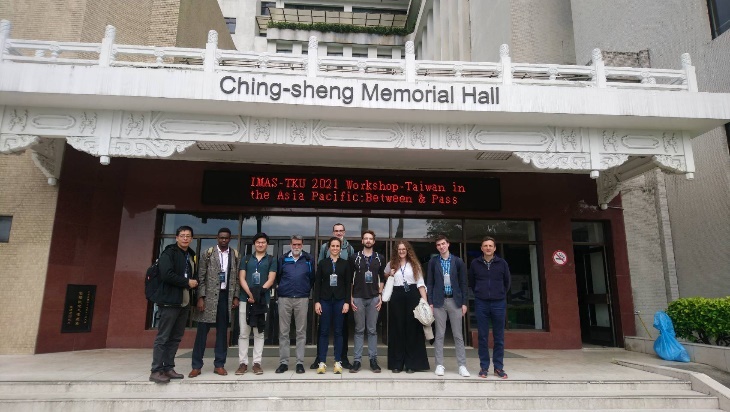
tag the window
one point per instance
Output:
(231, 24)
(719, 16)
(5, 223)
(265, 7)
(727, 135)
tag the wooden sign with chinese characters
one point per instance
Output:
(351, 192)
(78, 309)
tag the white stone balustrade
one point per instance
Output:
(409, 69)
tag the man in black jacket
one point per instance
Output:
(177, 272)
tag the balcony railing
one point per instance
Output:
(211, 59)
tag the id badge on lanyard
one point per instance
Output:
(333, 276)
(368, 273)
(256, 274)
(222, 273)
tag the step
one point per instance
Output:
(343, 385)
(126, 402)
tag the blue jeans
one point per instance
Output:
(331, 314)
(494, 312)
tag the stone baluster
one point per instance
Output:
(599, 69)
(410, 62)
(106, 54)
(5, 27)
(689, 73)
(505, 64)
(210, 59)
(313, 57)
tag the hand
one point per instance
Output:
(354, 308)
(463, 310)
(236, 302)
(201, 304)
(318, 308)
(345, 308)
(192, 283)
(380, 303)
(251, 299)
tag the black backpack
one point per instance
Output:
(152, 281)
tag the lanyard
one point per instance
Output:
(334, 268)
(220, 259)
(187, 263)
(403, 273)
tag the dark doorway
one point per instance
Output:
(593, 286)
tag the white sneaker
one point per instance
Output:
(440, 370)
(463, 372)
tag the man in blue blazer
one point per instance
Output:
(447, 294)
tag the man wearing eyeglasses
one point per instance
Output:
(177, 272)
(294, 279)
(217, 295)
(338, 231)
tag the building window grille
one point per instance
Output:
(231, 24)
(719, 11)
(5, 223)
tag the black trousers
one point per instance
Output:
(169, 334)
(221, 329)
(406, 341)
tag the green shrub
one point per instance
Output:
(702, 320)
(340, 28)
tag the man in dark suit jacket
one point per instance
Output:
(447, 294)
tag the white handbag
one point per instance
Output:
(388, 288)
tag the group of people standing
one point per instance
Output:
(343, 281)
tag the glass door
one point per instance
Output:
(592, 281)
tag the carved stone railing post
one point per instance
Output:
(313, 57)
(505, 68)
(599, 68)
(5, 27)
(410, 62)
(106, 55)
(689, 72)
(210, 61)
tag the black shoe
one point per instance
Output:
(355, 367)
(315, 364)
(282, 368)
(409, 370)
(374, 366)
(396, 370)
(300, 368)
(346, 364)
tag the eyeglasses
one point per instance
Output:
(184, 236)
(338, 231)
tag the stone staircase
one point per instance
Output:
(345, 392)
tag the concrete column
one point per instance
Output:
(464, 40)
(424, 44)
(271, 46)
(431, 31)
(438, 33)
(373, 52)
(346, 51)
(449, 27)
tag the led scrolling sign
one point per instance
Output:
(351, 192)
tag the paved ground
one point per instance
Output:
(590, 364)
